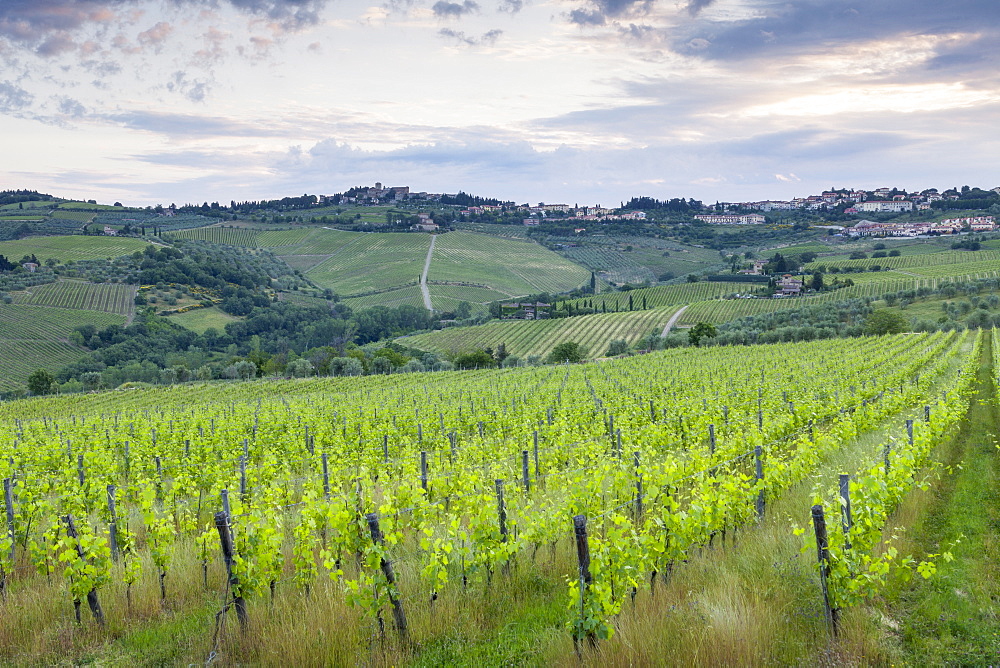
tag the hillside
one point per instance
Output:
(368, 269)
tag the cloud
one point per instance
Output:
(72, 108)
(510, 6)
(599, 11)
(156, 36)
(194, 90)
(13, 98)
(486, 39)
(785, 27)
(47, 26)
(444, 9)
(694, 7)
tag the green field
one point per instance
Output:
(108, 297)
(201, 319)
(939, 258)
(667, 295)
(37, 337)
(507, 266)
(72, 247)
(409, 295)
(622, 260)
(539, 337)
(372, 262)
(219, 234)
(360, 266)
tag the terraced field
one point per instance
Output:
(73, 247)
(107, 297)
(539, 337)
(37, 337)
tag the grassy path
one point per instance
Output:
(954, 618)
(423, 277)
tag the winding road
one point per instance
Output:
(673, 319)
(423, 278)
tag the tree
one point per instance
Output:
(41, 382)
(299, 368)
(477, 358)
(884, 321)
(567, 351)
(817, 281)
(700, 331)
(617, 347)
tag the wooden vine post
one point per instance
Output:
(583, 571)
(823, 555)
(845, 508)
(92, 600)
(113, 525)
(759, 475)
(399, 617)
(226, 540)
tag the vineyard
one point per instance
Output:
(412, 519)
(108, 297)
(391, 298)
(511, 267)
(943, 258)
(219, 234)
(399, 259)
(38, 337)
(73, 248)
(667, 295)
(538, 337)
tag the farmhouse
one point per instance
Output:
(884, 206)
(789, 287)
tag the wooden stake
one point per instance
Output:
(823, 554)
(226, 540)
(92, 600)
(397, 607)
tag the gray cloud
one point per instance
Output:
(694, 7)
(486, 39)
(445, 9)
(13, 97)
(510, 6)
(801, 26)
(46, 26)
(194, 90)
(599, 11)
(72, 108)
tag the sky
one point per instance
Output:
(558, 101)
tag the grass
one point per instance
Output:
(952, 619)
(66, 248)
(201, 319)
